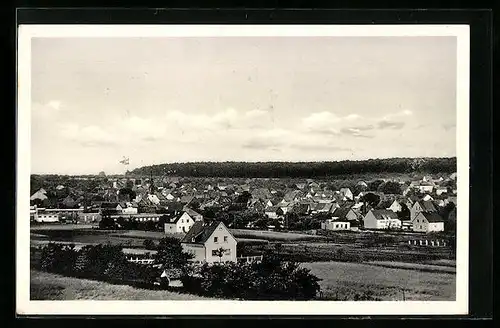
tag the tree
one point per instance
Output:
(371, 199)
(391, 187)
(219, 252)
(373, 185)
(107, 222)
(170, 254)
(404, 214)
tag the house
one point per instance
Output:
(273, 212)
(381, 219)
(395, 206)
(345, 214)
(322, 207)
(60, 187)
(302, 208)
(425, 187)
(192, 213)
(186, 199)
(428, 222)
(300, 185)
(43, 216)
(421, 206)
(180, 224)
(346, 193)
(205, 240)
(291, 196)
(336, 225)
(451, 199)
(40, 194)
(427, 198)
(441, 190)
(111, 208)
(128, 208)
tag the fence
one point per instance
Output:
(250, 259)
(136, 259)
(425, 242)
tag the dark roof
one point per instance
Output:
(192, 213)
(384, 214)
(428, 206)
(199, 232)
(272, 208)
(432, 217)
(109, 205)
(341, 212)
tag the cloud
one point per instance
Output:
(356, 132)
(353, 124)
(270, 139)
(90, 135)
(403, 113)
(322, 122)
(319, 147)
(390, 125)
(143, 128)
(224, 120)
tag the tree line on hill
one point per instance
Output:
(299, 169)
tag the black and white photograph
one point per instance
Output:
(274, 169)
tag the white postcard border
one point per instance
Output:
(26, 306)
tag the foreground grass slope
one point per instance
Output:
(341, 281)
(47, 286)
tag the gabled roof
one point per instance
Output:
(384, 214)
(192, 213)
(272, 208)
(428, 206)
(341, 212)
(200, 233)
(432, 217)
(38, 195)
(186, 199)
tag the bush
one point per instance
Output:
(271, 279)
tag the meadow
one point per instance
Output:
(48, 286)
(342, 281)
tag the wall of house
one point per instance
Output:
(272, 215)
(89, 217)
(415, 210)
(370, 222)
(420, 224)
(351, 215)
(335, 225)
(47, 217)
(185, 223)
(395, 207)
(170, 228)
(435, 226)
(130, 210)
(212, 245)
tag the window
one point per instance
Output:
(214, 252)
(215, 239)
(225, 239)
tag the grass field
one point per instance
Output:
(341, 281)
(415, 266)
(47, 286)
(274, 235)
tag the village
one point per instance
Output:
(195, 208)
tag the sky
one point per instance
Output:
(184, 99)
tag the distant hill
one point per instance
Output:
(300, 169)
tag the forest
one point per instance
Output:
(299, 169)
